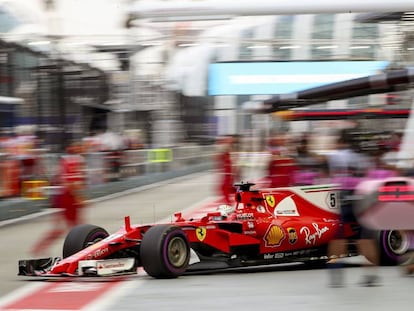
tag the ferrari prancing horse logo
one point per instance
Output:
(201, 233)
(270, 199)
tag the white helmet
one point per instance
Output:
(225, 210)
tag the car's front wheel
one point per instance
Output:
(165, 251)
(82, 236)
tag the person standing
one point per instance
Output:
(347, 168)
(70, 198)
(72, 180)
(282, 166)
(227, 168)
(311, 167)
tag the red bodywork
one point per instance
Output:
(266, 226)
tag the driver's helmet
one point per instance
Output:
(225, 210)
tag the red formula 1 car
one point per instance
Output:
(267, 226)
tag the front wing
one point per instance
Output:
(102, 267)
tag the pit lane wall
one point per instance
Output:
(137, 168)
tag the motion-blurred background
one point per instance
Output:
(140, 75)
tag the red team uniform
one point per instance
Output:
(281, 171)
(72, 180)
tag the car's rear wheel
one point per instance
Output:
(394, 245)
(165, 251)
(82, 236)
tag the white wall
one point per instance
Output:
(79, 17)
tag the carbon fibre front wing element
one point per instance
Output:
(37, 267)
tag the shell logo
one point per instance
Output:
(274, 236)
(201, 233)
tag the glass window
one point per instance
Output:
(284, 27)
(246, 51)
(364, 37)
(320, 52)
(280, 52)
(365, 31)
(323, 26)
(364, 51)
(243, 121)
(322, 35)
(283, 32)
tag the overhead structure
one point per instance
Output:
(340, 114)
(210, 9)
(387, 82)
(379, 17)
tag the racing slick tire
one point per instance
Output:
(165, 252)
(394, 245)
(81, 236)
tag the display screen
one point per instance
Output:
(271, 78)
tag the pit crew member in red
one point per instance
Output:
(281, 168)
(69, 198)
(227, 169)
(72, 180)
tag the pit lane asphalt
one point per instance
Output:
(277, 287)
(146, 204)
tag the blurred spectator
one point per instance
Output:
(228, 171)
(69, 197)
(309, 165)
(110, 141)
(282, 166)
(91, 143)
(133, 139)
(10, 172)
(9, 169)
(21, 147)
(114, 146)
(381, 169)
(394, 142)
(391, 149)
(347, 168)
(323, 173)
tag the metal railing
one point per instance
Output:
(104, 167)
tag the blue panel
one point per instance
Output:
(271, 78)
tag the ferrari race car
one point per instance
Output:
(267, 226)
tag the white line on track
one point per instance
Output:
(105, 301)
(21, 292)
(44, 212)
